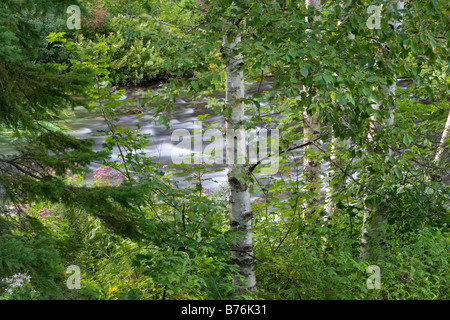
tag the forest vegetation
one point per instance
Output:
(353, 94)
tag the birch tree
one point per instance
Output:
(441, 156)
(442, 152)
(241, 215)
(336, 145)
(311, 155)
(372, 235)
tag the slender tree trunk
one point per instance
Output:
(441, 156)
(336, 187)
(331, 189)
(330, 204)
(311, 163)
(241, 214)
(311, 155)
(442, 152)
(372, 233)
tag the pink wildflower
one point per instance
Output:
(107, 175)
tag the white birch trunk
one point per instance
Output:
(241, 215)
(311, 155)
(442, 152)
(441, 156)
(331, 190)
(330, 204)
(372, 235)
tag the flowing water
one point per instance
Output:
(160, 148)
(84, 124)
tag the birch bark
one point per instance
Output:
(330, 204)
(372, 233)
(442, 152)
(241, 215)
(311, 155)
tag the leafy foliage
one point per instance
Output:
(136, 234)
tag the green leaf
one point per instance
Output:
(435, 4)
(328, 78)
(362, 63)
(304, 71)
(164, 120)
(333, 96)
(202, 117)
(398, 172)
(407, 140)
(430, 93)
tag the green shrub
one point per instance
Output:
(36, 257)
(410, 270)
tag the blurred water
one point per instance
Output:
(160, 147)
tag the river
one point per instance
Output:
(85, 124)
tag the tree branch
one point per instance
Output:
(372, 190)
